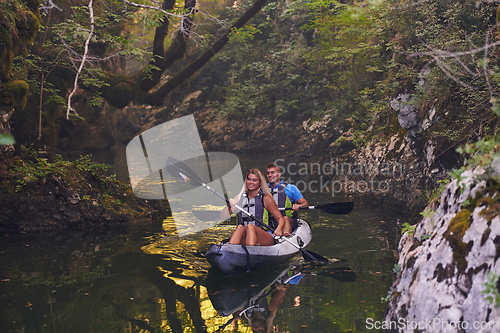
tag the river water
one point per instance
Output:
(146, 280)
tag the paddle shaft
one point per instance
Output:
(331, 208)
(301, 207)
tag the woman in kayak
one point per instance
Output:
(255, 197)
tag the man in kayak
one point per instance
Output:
(286, 196)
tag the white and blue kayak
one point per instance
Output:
(235, 259)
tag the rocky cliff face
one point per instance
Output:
(449, 269)
(397, 163)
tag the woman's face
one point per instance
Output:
(253, 182)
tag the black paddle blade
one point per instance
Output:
(311, 256)
(336, 207)
(344, 274)
(182, 172)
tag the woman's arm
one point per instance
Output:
(228, 210)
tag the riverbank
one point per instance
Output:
(49, 194)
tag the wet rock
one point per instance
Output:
(74, 198)
(408, 118)
(448, 262)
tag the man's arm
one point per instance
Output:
(302, 202)
(295, 196)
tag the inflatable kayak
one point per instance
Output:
(234, 259)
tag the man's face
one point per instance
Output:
(273, 175)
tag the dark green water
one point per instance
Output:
(144, 280)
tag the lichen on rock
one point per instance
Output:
(446, 262)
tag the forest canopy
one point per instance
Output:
(271, 59)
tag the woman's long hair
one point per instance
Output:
(263, 183)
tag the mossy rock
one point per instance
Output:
(455, 234)
(27, 27)
(13, 93)
(18, 28)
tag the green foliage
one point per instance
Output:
(7, 139)
(85, 165)
(485, 154)
(428, 213)
(407, 227)
(433, 196)
(50, 65)
(306, 59)
(491, 290)
(243, 35)
(457, 87)
(388, 297)
(35, 168)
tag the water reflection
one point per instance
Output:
(257, 297)
(158, 282)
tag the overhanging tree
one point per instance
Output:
(147, 87)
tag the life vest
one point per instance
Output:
(255, 206)
(282, 201)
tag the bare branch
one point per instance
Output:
(83, 60)
(158, 8)
(447, 54)
(438, 56)
(447, 71)
(48, 5)
(485, 61)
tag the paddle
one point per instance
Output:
(182, 172)
(331, 208)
